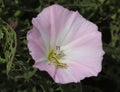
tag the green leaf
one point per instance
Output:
(9, 65)
(29, 74)
(17, 13)
(8, 45)
(2, 60)
(101, 1)
(72, 87)
(34, 89)
(1, 34)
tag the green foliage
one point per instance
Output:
(16, 71)
(115, 38)
(1, 34)
(91, 89)
(8, 44)
(71, 87)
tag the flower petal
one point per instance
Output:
(51, 21)
(76, 27)
(77, 71)
(64, 76)
(36, 44)
(77, 37)
(43, 66)
(84, 55)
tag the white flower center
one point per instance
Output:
(54, 57)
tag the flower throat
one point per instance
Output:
(54, 57)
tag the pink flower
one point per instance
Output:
(65, 44)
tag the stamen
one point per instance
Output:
(54, 57)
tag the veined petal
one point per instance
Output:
(76, 27)
(86, 53)
(64, 76)
(77, 70)
(50, 23)
(65, 31)
(93, 38)
(43, 34)
(44, 66)
(85, 47)
(36, 44)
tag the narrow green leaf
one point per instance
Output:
(9, 65)
(2, 60)
(1, 34)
